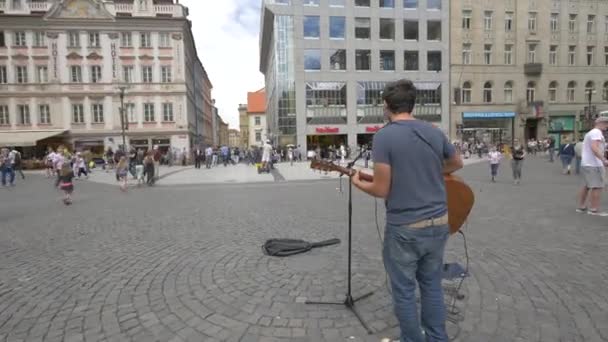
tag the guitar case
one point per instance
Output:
(287, 247)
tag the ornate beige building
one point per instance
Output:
(527, 65)
(63, 65)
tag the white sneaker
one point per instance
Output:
(597, 213)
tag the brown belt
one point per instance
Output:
(437, 221)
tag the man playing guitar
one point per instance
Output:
(410, 159)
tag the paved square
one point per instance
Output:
(184, 263)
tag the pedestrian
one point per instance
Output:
(225, 151)
(157, 155)
(518, 154)
(198, 156)
(578, 151)
(109, 158)
(290, 155)
(6, 166)
(551, 148)
(566, 154)
(80, 166)
(122, 172)
(48, 160)
(594, 165)
(149, 168)
(208, 157)
(65, 183)
(494, 157)
(17, 163)
(416, 229)
(139, 166)
(132, 159)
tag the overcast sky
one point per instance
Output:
(226, 34)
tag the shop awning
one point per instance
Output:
(26, 138)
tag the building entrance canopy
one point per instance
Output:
(26, 138)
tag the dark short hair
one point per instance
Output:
(400, 96)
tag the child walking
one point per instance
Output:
(122, 170)
(494, 157)
(65, 184)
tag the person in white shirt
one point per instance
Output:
(266, 154)
(594, 165)
(494, 157)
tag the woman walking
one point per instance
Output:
(65, 183)
(566, 154)
(149, 169)
(122, 171)
(494, 157)
(518, 154)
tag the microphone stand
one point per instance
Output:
(349, 301)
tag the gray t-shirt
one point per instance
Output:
(415, 150)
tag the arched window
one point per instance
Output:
(605, 91)
(531, 92)
(509, 92)
(466, 92)
(570, 91)
(589, 90)
(553, 91)
(487, 92)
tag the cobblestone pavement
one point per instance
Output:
(184, 263)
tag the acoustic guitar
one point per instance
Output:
(460, 196)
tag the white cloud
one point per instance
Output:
(226, 34)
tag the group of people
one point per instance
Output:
(10, 164)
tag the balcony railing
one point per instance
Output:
(164, 9)
(39, 6)
(123, 7)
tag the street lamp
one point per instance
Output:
(123, 121)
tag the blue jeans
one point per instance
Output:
(566, 161)
(10, 172)
(412, 255)
(551, 153)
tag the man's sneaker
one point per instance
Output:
(581, 210)
(597, 213)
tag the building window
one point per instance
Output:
(362, 28)
(571, 91)
(553, 91)
(312, 59)
(4, 116)
(146, 74)
(127, 73)
(362, 3)
(509, 54)
(532, 21)
(532, 53)
(97, 110)
(466, 19)
(487, 20)
(433, 30)
(165, 74)
(531, 92)
(257, 120)
(466, 54)
(433, 4)
(553, 55)
(145, 40)
(168, 112)
(363, 59)
(508, 90)
(410, 30)
(590, 53)
(149, 112)
(487, 54)
(410, 4)
(605, 91)
(487, 92)
(434, 61)
(508, 21)
(39, 39)
(74, 40)
(336, 3)
(96, 74)
(76, 74)
(606, 24)
(605, 59)
(164, 40)
(387, 28)
(572, 23)
(310, 2)
(20, 39)
(94, 39)
(572, 55)
(22, 74)
(130, 109)
(258, 135)
(78, 113)
(589, 88)
(44, 114)
(126, 40)
(311, 26)
(410, 60)
(337, 27)
(23, 115)
(42, 73)
(466, 92)
(387, 3)
(2, 39)
(337, 60)
(591, 23)
(387, 60)
(326, 101)
(3, 75)
(554, 23)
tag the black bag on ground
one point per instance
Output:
(287, 247)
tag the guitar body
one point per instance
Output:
(460, 197)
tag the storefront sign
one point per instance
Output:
(561, 124)
(487, 115)
(372, 129)
(327, 130)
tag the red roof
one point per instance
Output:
(256, 101)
